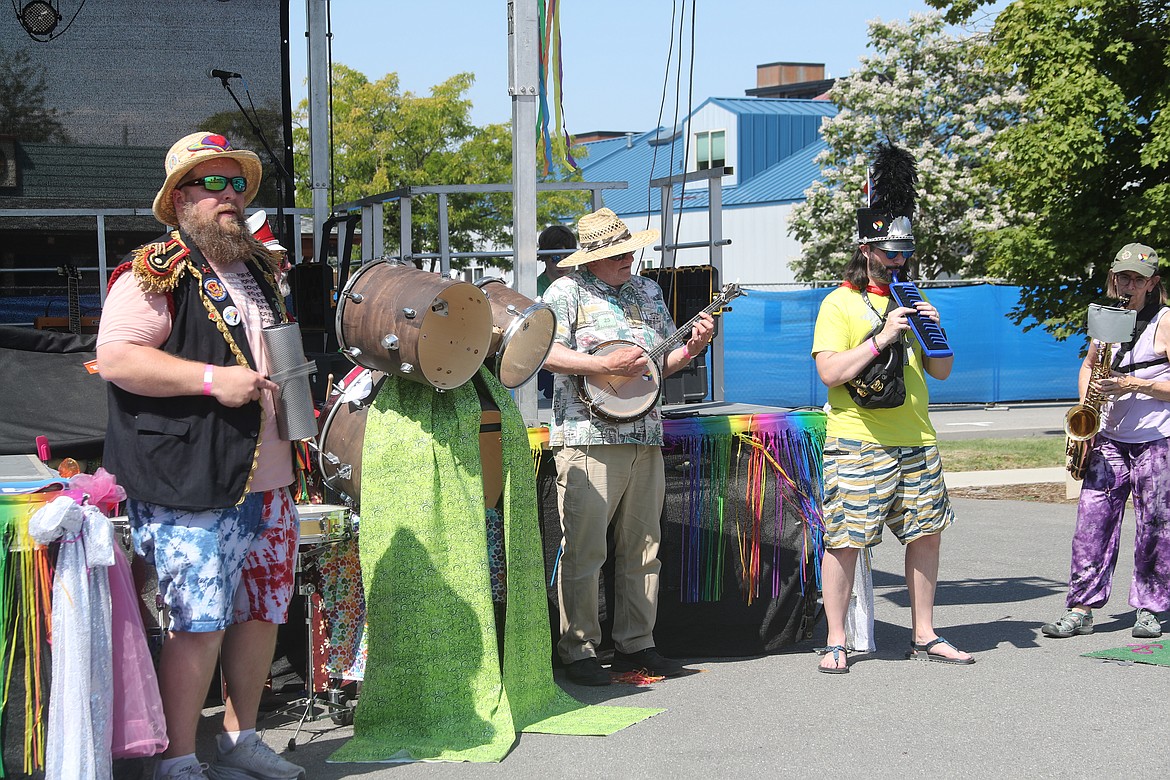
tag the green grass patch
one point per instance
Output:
(994, 454)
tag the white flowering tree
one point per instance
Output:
(929, 92)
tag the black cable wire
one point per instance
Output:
(686, 145)
(661, 107)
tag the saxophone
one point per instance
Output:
(1083, 421)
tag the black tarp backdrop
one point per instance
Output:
(48, 391)
(729, 627)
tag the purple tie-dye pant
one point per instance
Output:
(1116, 469)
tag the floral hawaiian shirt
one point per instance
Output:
(589, 312)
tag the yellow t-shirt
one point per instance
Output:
(842, 323)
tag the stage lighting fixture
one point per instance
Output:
(38, 17)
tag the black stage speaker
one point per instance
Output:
(312, 290)
(687, 291)
(729, 626)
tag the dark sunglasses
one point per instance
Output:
(906, 253)
(219, 183)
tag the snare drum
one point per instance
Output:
(324, 523)
(522, 335)
(343, 432)
(421, 326)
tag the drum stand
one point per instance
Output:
(332, 702)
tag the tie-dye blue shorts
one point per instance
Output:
(219, 567)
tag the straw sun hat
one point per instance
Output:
(603, 234)
(197, 148)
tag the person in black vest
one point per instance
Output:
(192, 436)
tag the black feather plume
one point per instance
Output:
(893, 181)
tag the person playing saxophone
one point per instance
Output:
(1130, 455)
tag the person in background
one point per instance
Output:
(192, 436)
(552, 237)
(610, 474)
(1131, 454)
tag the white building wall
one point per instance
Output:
(760, 251)
(713, 117)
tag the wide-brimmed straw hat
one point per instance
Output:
(603, 234)
(197, 148)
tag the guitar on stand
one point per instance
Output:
(74, 323)
(622, 399)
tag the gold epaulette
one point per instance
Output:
(158, 266)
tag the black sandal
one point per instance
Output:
(922, 653)
(836, 650)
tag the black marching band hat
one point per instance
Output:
(885, 223)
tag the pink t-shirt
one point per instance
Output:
(143, 318)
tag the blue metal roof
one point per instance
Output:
(778, 141)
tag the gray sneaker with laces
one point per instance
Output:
(190, 771)
(1147, 626)
(253, 760)
(1070, 623)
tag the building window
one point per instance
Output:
(710, 149)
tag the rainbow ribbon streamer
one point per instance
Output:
(783, 462)
(556, 141)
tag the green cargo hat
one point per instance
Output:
(1136, 257)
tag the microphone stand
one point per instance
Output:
(283, 177)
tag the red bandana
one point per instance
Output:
(876, 289)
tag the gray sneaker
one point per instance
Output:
(192, 770)
(253, 760)
(1147, 626)
(1070, 623)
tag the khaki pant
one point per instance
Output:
(622, 485)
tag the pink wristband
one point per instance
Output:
(874, 347)
(687, 352)
(207, 376)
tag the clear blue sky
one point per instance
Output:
(615, 53)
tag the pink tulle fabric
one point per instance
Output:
(139, 726)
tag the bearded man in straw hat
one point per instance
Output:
(609, 473)
(193, 438)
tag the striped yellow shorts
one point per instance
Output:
(868, 485)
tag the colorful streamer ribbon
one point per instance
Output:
(557, 141)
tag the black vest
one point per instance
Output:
(190, 452)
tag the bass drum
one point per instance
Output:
(522, 333)
(339, 445)
(397, 319)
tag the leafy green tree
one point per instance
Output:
(385, 138)
(23, 112)
(929, 92)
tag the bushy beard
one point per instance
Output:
(220, 242)
(878, 272)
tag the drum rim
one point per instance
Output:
(329, 481)
(511, 331)
(342, 297)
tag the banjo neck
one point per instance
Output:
(725, 296)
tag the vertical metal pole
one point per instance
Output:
(101, 238)
(405, 247)
(715, 232)
(444, 237)
(666, 196)
(523, 56)
(378, 232)
(317, 22)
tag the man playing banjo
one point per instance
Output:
(610, 472)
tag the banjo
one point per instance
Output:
(621, 399)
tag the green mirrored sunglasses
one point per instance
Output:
(218, 183)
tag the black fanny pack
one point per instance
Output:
(882, 383)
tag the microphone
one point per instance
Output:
(223, 75)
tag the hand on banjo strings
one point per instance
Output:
(701, 333)
(626, 361)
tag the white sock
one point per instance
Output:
(229, 739)
(167, 764)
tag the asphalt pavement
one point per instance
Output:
(1030, 707)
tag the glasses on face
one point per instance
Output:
(219, 183)
(906, 253)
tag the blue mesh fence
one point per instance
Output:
(768, 336)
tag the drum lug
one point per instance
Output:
(390, 341)
(355, 297)
(409, 313)
(513, 310)
(353, 352)
(406, 368)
